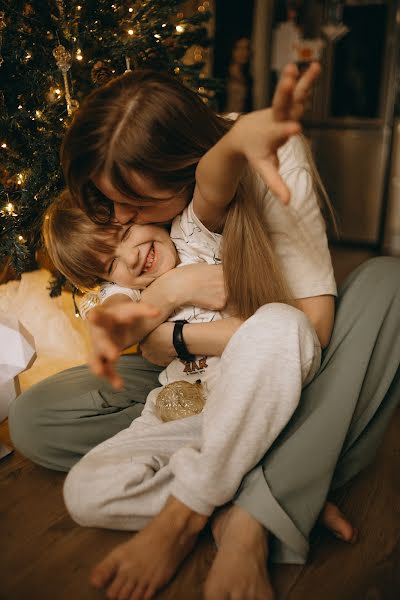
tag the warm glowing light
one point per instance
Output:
(38, 113)
(4, 145)
(10, 207)
(21, 239)
(164, 25)
(180, 28)
(28, 56)
(79, 7)
(58, 91)
(79, 57)
(131, 10)
(19, 106)
(61, 119)
(157, 36)
(20, 179)
(130, 31)
(176, 70)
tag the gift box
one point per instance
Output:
(17, 353)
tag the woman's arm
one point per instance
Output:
(210, 339)
(254, 139)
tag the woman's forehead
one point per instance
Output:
(141, 186)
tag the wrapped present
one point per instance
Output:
(17, 353)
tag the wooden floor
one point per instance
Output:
(45, 556)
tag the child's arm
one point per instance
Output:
(254, 139)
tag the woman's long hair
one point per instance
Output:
(151, 123)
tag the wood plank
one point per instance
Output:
(45, 555)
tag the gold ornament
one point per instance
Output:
(63, 58)
(179, 400)
(64, 61)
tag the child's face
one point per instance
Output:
(152, 205)
(142, 253)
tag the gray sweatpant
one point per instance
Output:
(333, 434)
(201, 460)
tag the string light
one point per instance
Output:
(19, 106)
(4, 145)
(130, 31)
(79, 54)
(180, 28)
(157, 36)
(79, 7)
(130, 9)
(38, 113)
(21, 239)
(10, 208)
(20, 179)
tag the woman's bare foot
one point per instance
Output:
(334, 520)
(240, 567)
(138, 568)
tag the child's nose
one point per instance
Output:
(124, 213)
(131, 256)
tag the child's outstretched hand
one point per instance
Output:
(259, 134)
(112, 329)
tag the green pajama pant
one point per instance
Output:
(333, 434)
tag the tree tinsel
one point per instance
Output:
(102, 39)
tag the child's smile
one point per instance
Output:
(142, 253)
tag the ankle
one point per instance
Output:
(184, 518)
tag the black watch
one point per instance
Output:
(177, 339)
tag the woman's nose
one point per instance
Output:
(124, 213)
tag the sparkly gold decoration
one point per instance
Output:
(179, 400)
(63, 60)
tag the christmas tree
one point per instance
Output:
(52, 54)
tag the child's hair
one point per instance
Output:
(75, 244)
(151, 123)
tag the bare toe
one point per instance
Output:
(104, 571)
(332, 518)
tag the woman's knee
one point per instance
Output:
(380, 274)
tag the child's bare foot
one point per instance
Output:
(136, 569)
(334, 520)
(240, 568)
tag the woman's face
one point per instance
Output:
(152, 205)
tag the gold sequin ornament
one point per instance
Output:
(179, 400)
(64, 61)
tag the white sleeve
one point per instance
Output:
(298, 231)
(110, 289)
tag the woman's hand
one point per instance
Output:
(199, 285)
(112, 328)
(258, 135)
(157, 347)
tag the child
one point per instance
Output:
(260, 376)
(132, 257)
